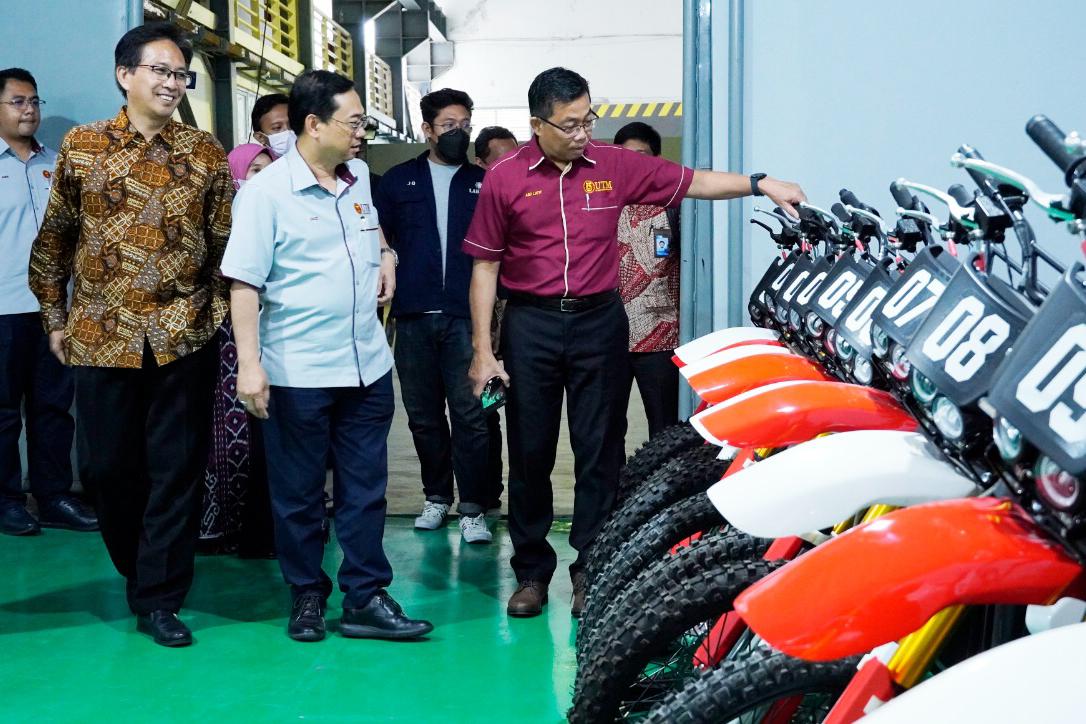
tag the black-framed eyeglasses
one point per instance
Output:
(22, 103)
(453, 125)
(186, 78)
(571, 130)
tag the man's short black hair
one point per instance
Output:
(129, 50)
(263, 106)
(16, 74)
(557, 85)
(488, 134)
(432, 103)
(314, 93)
(638, 131)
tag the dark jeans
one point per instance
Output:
(548, 353)
(304, 425)
(433, 353)
(142, 436)
(658, 382)
(30, 375)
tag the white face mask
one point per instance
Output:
(281, 142)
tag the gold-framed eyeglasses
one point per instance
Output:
(369, 123)
(22, 103)
(571, 129)
(186, 78)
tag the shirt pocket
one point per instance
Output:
(411, 211)
(600, 201)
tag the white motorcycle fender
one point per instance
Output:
(729, 355)
(714, 341)
(823, 481)
(1032, 679)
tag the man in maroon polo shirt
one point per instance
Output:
(546, 223)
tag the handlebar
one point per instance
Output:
(867, 215)
(1053, 142)
(902, 196)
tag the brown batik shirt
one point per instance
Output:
(141, 227)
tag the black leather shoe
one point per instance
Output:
(165, 628)
(381, 618)
(67, 512)
(15, 520)
(307, 618)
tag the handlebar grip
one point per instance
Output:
(1050, 138)
(902, 196)
(839, 211)
(850, 198)
(961, 194)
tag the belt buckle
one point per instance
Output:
(572, 307)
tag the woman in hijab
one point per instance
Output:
(236, 509)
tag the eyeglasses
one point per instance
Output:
(22, 103)
(452, 125)
(186, 78)
(571, 130)
(368, 122)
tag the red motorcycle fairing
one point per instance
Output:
(787, 413)
(737, 376)
(882, 580)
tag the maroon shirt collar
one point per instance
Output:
(535, 157)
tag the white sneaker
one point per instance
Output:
(433, 516)
(474, 530)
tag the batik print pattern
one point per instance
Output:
(141, 227)
(649, 285)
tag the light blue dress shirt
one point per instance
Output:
(315, 257)
(24, 194)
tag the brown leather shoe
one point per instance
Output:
(528, 599)
(580, 585)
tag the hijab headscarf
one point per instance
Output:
(242, 156)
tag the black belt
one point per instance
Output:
(563, 304)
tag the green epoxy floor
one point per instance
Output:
(69, 651)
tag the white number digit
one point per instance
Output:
(904, 296)
(809, 290)
(779, 281)
(859, 322)
(1044, 384)
(952, 330)
(791, 290)
(964, 357)
(836, 291)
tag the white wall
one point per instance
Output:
(855, 94)
(629, 50)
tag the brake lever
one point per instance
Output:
(960, 214)
(1053, 204)
(867, 215)
(927, 218)
(783, 218)
(821, 212)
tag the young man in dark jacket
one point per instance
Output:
(425, 206)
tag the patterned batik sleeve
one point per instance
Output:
(53, 250)
(217, 221)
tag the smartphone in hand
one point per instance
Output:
(493, 396)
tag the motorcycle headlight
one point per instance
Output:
(899, 363)
(862, 371)
(923, 389)
(770, 305)
(831, 341)
(844, 349)
(948, 418)
(1008, 440)
(781, 314)
(1059, 488)
(794, 320)
(815, 325)
(880, 341)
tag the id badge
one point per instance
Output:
(662, 241)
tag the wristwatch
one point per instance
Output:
(754, 179)
(395, 256)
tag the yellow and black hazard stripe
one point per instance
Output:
(657, 109)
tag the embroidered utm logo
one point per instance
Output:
(591, 187)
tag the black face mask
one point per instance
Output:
(453, 145)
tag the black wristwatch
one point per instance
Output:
(754, 179)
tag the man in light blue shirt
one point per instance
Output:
(30, 376)
(307, 257)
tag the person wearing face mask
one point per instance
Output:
(425, 206)
(270, 125)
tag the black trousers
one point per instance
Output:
(658, 383)
(583, 355)
(304, 424)
(32, 378)
(142, 437)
